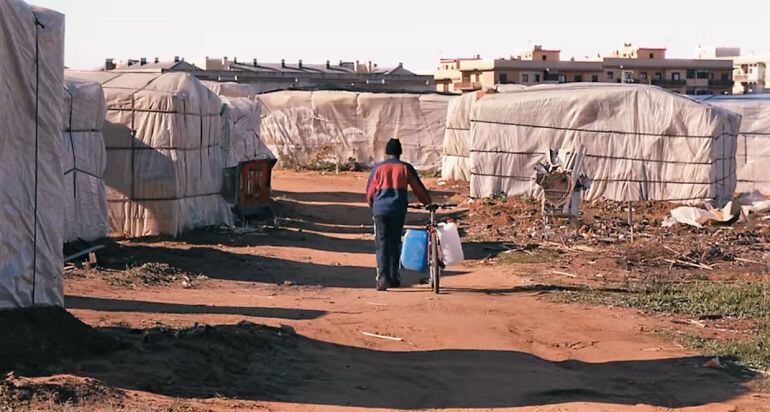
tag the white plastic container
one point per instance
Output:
(451, 247)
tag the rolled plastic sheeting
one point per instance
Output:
(84, 159)
(31, 178)
(641, 142)
(164, 153)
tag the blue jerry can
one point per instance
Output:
(414, 252)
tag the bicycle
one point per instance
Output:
(435, 264)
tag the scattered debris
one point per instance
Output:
(688, 264)
(713, 363)
(390, 338)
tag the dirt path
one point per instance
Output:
(488, 342)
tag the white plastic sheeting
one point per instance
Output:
(242, 141)
(301, 127)
(84, 160)
(753, 141)
(31, 176)
(164, 157)
(247, 90)
(232, 89)
(456, 162)
(641, 142)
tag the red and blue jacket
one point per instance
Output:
(387, 189)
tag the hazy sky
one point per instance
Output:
(416, 32)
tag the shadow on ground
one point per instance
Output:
(223, 265)
(120, 305)
(341, 197)
(251, 362)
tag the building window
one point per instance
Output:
(503, 78)
(595, 78)
(525, 78)
(562, 78)
(545, 57)
(676, 76)
(611, 75)
(725, 77)
(578, 78)
(537, 78)
(658, 76)
(652, 55)
(643, 75)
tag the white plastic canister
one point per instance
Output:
(451, 247)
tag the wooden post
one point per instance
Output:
(631, 219)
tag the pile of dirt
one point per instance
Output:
(53, 393)
(39, 340)
(599, 243)
(202, 361)
(152, 274)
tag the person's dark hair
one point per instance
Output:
(393, 148)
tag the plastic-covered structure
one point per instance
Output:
(232, 89)
(303, 127)
(31, 179)
(456, 160)
(84, 160)
(164, 156)
(640, 142)
(753, 140)
(242, 140)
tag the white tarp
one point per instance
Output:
(641, 142)
(241, 128)
(753, 141)
(247, 90)
(164, 157)
(232, 89)
(31, 178)
(456, 162)
(84, 160)
(301, 127)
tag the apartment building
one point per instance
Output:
(356, 76)
(750, 73)
(628, 64)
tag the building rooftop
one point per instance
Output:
(157, 67)
(632, 63)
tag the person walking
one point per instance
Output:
(387, 195)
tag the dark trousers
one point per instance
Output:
(387, 238)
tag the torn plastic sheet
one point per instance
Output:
(743, 205)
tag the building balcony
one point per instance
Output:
(742, 78)
(721, 83)
(467, 86)
(669, 82)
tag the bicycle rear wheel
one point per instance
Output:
(435, 267)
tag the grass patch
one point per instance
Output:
(519, 257)
(752, 353)
(702, 299)
(430, 174)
